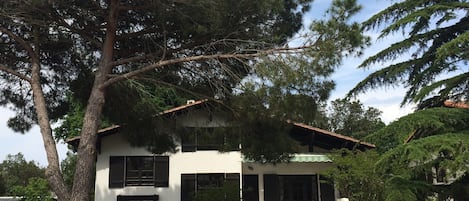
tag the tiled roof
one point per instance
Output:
(325, 132)
(183, 107)
(104, 130)
(449, 103)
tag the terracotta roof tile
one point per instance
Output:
(449, 103)
(332, 134)
(182, 107)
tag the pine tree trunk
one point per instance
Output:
(86, 159)
(53, 173)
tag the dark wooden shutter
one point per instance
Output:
(271, 187)
(188, 184)
(161, 171)
(116, 172)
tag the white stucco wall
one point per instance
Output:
(179, 163)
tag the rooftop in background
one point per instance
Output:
(460, 104)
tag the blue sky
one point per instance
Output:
(346, 77)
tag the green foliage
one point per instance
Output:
(71, 124)
(355, 175)
(263, 137)
(353, 119)
(415, 145)
(68, 168)
(422, 123)
(36, 190)
(398, 188)
(3, 188)
(410, 153)
(449, 151)
(142, 103)
(16, 171)
(436, 35)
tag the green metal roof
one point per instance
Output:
(304, 158)
(310, 158)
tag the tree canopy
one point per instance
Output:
(421, 155)
(431, 59)
(353, 119)
(421, 146)
(99, 51)
(15, 171)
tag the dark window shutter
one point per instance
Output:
(188, 184)
(161, 171)
(271, 187)
(116, 172)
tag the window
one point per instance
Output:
(138, 171)
(137, 198)
(291, 188)
(250, 187)
(209, 138)
(196, 187)
(438, 175)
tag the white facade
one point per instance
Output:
(179, 163)
(188, 163)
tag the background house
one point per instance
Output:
(198, 170)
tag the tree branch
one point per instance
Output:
(202, 58)
(21, 42)
(132, 59)
(15, 73)
(80, 32)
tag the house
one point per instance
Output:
(198, 169)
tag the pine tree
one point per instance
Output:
(435, 44)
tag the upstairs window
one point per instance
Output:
(138, 171)
(209, 138)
